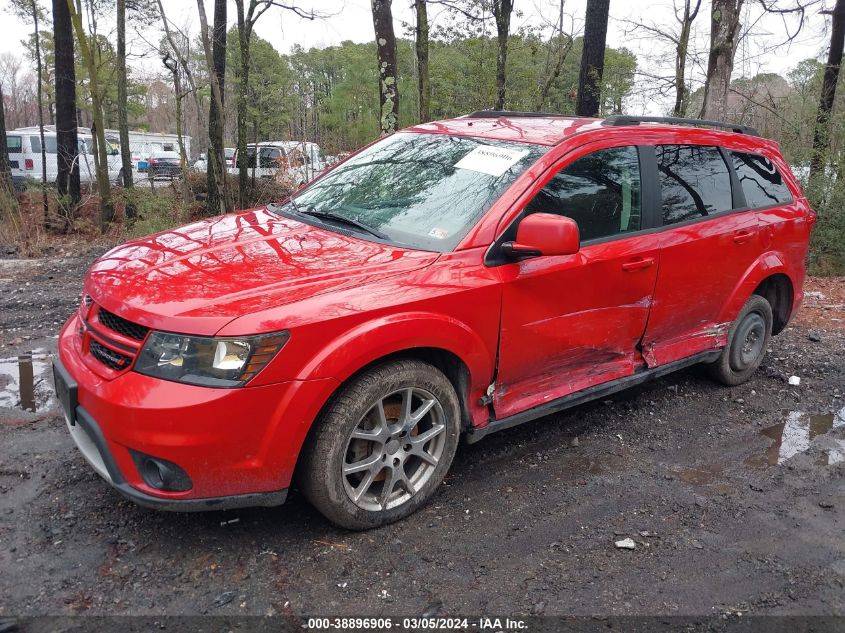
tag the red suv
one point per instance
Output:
(456, 278)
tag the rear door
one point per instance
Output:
(708, 242)
(573, 321)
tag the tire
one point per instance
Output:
(386, 475)
(748, 339)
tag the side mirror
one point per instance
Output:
(541, 234)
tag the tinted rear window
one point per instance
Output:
(13, 144)
(694, 182)
(761, 181)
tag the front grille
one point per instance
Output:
(109, 357)
(122, 326)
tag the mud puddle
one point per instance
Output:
(26, 382)
(798, 433)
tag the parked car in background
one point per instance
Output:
(301, 161)
(201, 164)
(456, 278)
(164, 165)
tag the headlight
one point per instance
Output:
(206, 361)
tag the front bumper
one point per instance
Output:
(238, 446)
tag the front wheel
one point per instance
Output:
(382, 446)
(747, 342)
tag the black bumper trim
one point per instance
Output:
(119, 483)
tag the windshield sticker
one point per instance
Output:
(438, 233)
(487, 159)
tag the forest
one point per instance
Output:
(222, 85)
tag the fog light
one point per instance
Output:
(161, 474)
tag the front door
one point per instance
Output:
(574, 321)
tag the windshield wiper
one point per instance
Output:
(334, 217)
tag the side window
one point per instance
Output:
(761, 181)
(49, 144)
(694, 182)
(14, 144)
(600, 191)
(35, 144)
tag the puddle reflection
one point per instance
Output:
(25, 382)
(796, 434)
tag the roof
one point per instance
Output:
(542, 130)
(550, 129)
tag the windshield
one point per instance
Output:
(419, 190)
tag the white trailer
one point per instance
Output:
(24, 147)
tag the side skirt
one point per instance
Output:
(591, 393)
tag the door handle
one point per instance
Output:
(638, 264)
(743, 236)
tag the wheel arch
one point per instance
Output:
(461, 353)
(770, 277)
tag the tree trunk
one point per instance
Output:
(97, 127)
(564, 46)
(122, 120)
(681, 51)
(386, 55)
(421, 41)
(502, 10)
(5, 169)
(821, 136)
(592, 58)
(40, 93)
(215, 53)
(244, 37)
(67, 143)
(724, 31)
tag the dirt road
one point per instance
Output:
(734, 499)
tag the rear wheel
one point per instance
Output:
(747, 342)
(382, 446)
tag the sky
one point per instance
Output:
(352, 20)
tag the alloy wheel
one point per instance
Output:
(394, 449)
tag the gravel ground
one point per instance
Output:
(734, 500)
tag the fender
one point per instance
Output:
(375, 339)
(769, 263)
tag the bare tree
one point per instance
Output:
(592, 58)
(122, 120)
(686, 12)
(821, 136)
(30, 10)
(502, 10)
(5, 168)
(386, 56)
(564, 47)
(101, 160)
(248, 15)
(421, 48)
(67, 143)
(724, 37)
(214, 47)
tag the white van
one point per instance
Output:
(24, 147)
(303, 160)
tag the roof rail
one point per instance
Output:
(623, 119)
(495, 114)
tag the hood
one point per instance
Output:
(197, 278)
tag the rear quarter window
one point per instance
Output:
(694, 182)
(14, 144)
(761, 181)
